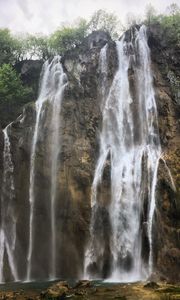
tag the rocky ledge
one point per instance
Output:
(86, 290)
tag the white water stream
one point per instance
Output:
(130, 135)
(52, 87)
(8, 215)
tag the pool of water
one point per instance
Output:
(27, 286)
(43, 285)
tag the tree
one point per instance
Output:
(171, 22)
(150, 13)
(132, 20)
(9, 47)
(35, 47)
(173, 9)
(68, 37)
(12, 94)
(109, 22)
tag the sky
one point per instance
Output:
(45, 16)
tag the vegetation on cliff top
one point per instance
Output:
(14, 48)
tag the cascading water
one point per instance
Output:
(51, 91)
(54, 155)
(8, 215)
(130, 137)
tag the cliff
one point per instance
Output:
(165, 60)
(81, 121)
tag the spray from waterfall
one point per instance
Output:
(130, 136)
(51, 90)
(8, 215)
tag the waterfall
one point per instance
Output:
(8, 215)
(130, 141)
(51, 91)
(54, 155)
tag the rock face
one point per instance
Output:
(80, 125)
(29, 71)
(1, 156)
(166, 236)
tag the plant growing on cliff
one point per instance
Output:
(11, 87)
(169, 21)
(12, 93)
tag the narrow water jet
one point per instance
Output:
(8, 215)
(60, 80)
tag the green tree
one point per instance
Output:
(13, 95)
(35, 47)
(68, 37)
(9, 47)
(171, 22)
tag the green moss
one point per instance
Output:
(172, 289)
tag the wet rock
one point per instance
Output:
(166, 226)
(29, 71)
(1, 155)
(57, 291)
(151, 285)
(83, 284)
(98, 39)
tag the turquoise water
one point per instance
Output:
(27, 286)
(43, 285)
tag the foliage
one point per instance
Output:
(9, 47)
(12, 94)
(169, 22)
(109, 22)
(68, 37)
(150, 13)
(16, 48)
(34, 47)
(11, 87)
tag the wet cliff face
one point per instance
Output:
(1, 156)
(165, 62)
(81, 121)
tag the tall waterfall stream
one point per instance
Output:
(129, 144)
(8, 215)
(52, 87)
